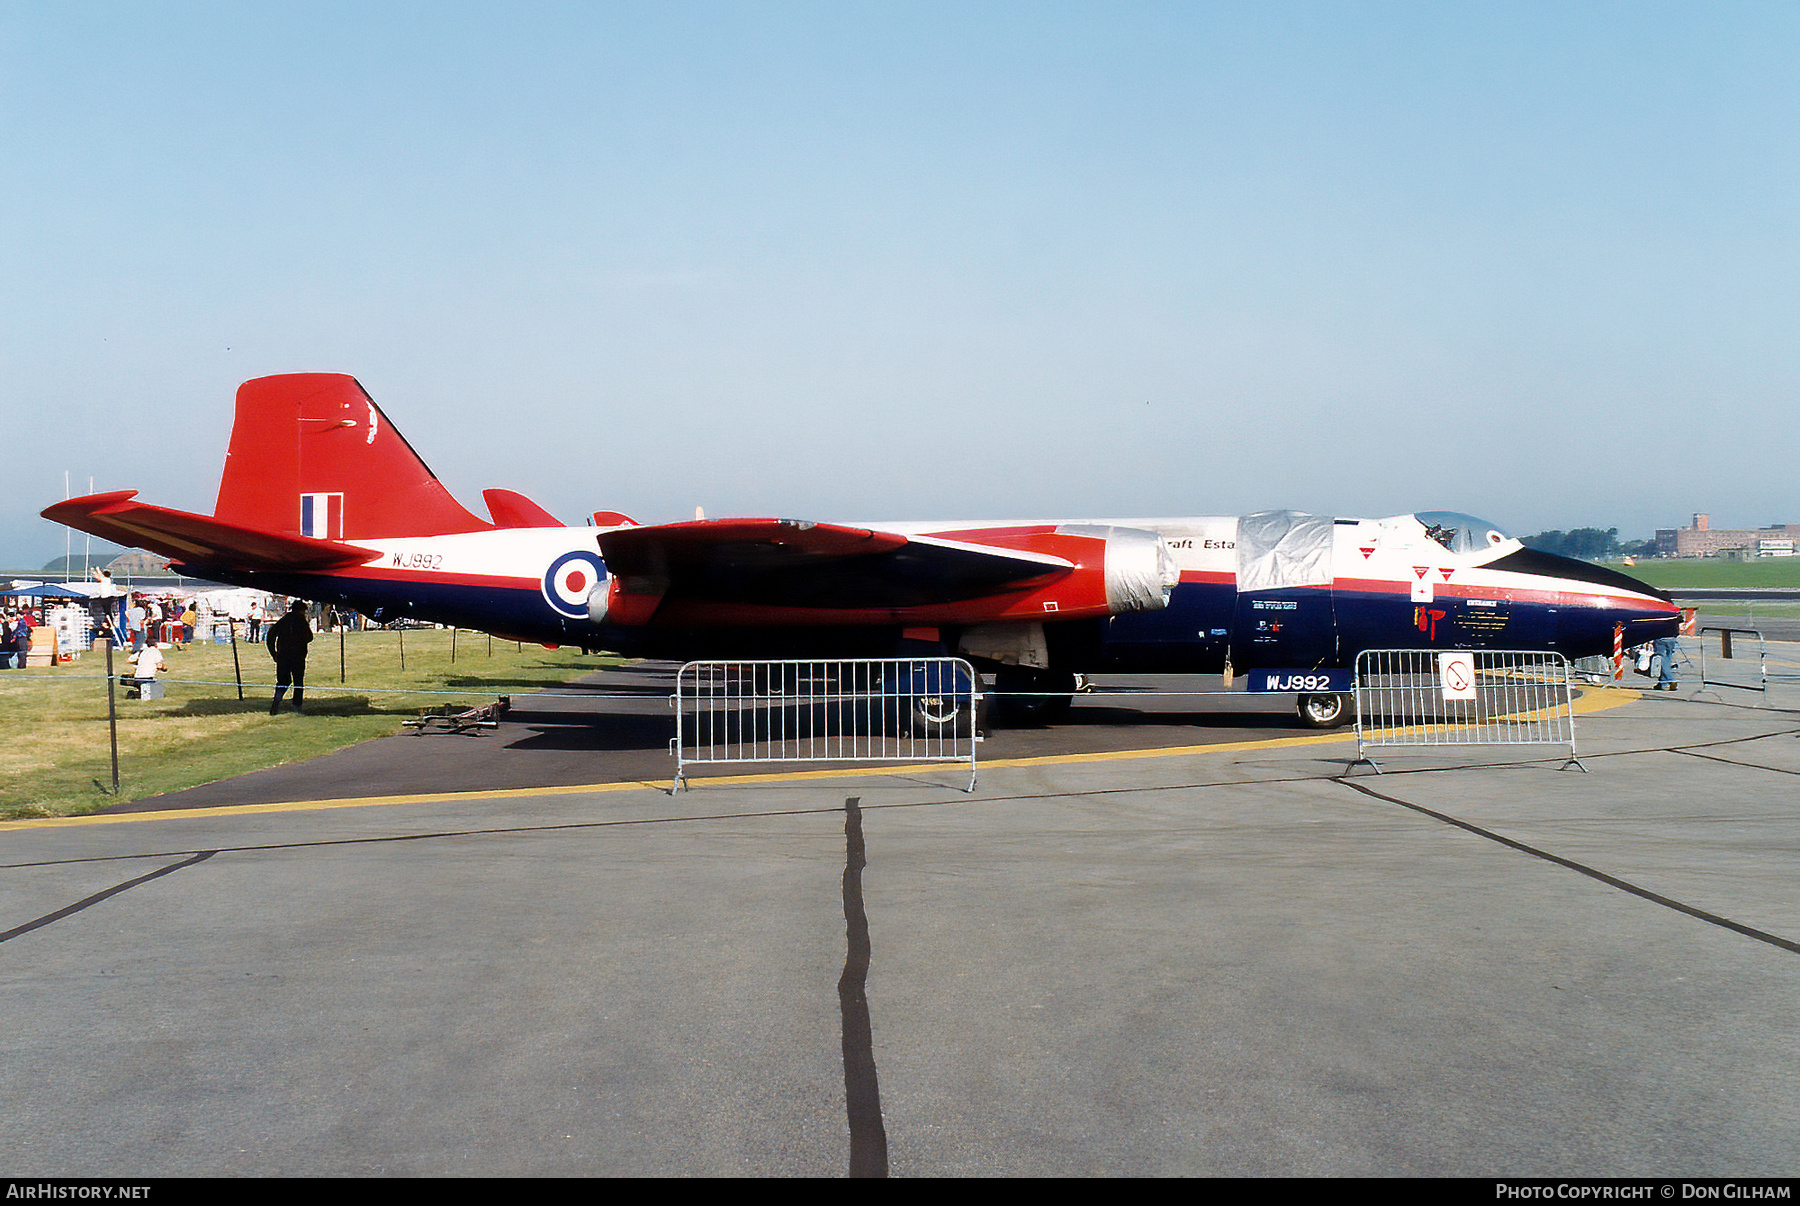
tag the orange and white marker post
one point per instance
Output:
(1618, 652)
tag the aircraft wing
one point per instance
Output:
(796, 564)
(185, 537)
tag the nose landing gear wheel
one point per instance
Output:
(1326, 711)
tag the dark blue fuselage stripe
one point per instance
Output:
(1204, 621)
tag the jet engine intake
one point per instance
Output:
(599, 600)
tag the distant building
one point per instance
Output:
(1704, 540)
(138, 565)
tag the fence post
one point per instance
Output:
(237, 670)
(112, 717)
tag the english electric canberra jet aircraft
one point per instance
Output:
(322, 498)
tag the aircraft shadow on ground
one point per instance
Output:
(257, 700)
(1096, 716)
(582, 687)
(577, 730)
(586, 731)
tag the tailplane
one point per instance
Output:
(311, 454)
(511, 509)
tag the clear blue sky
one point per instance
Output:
(829, 260)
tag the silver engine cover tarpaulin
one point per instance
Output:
(1140, 571)
(1279, 549)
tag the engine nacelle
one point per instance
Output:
(625, 602)
(1140, 571)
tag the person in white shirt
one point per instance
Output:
(148, 661)
(146, 664)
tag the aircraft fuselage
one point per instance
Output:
(1379, 584)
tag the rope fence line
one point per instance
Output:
(506, 688)
(338, 688)
(516, 688)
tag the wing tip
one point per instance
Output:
(87, 504)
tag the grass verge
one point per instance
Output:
(59, 763)
(1711, 573)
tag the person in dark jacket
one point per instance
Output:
(286, 641)
(21, 637)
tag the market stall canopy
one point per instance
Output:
(47, 591)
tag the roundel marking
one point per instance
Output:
(569, 581)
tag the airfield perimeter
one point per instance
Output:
(1229, 959)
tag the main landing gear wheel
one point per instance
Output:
(940, 702)
(1326, 711)
(940, 716)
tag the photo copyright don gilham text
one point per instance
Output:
(1647, 1191)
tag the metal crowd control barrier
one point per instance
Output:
(865, 710)
(1441, 697)
(1728, 653)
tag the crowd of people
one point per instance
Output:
(286, 639)
(149, 625)
(145, 617)
(132, 621)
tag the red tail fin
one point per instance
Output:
(313, 455)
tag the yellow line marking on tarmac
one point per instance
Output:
(1586, 702)
(241, 810)
(1604, 699)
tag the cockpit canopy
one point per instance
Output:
(1461, 533)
